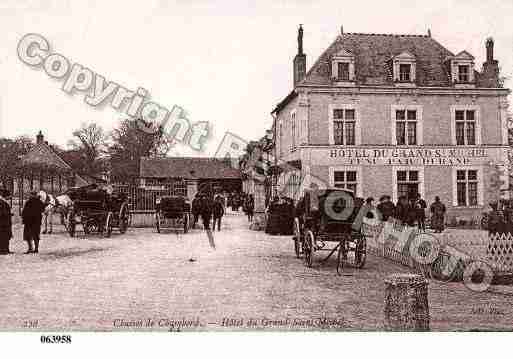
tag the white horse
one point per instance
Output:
(60, 204)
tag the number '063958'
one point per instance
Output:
(56, 339)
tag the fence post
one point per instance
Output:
(406, 303)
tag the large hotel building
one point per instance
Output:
(398, 115)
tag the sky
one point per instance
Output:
(225, 62)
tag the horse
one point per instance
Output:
(60, 204)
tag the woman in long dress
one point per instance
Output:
(437, 210)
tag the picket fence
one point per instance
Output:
(470, 245)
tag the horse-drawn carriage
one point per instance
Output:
(172, 212)
(330, 215)
(98, 211)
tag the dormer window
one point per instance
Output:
(343, 71)
(342, 68)
(404, 68)
(462, 69)
(463, 73)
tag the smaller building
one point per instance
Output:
(42, 168)
(188, 175)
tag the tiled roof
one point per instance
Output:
(181, 167)
(373, 53)
(43, 153)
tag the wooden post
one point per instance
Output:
(406, 303)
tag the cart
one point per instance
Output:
(172, 212)
(98, 211)
(329, 216)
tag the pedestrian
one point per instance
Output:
(5, 222)
(411, 216)
(420, 211)
(402, 210)
(437, 210)
(250, 207)
(32, 215)
(195, 209)
(386, 208)
(206, 211)
(218, 212)
(235, 202)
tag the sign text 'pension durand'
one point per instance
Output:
(405, 156)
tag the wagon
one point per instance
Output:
(172, 212)
(328, 220)
(98, 211)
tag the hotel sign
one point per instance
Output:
(435, 156)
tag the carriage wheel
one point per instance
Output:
(309, 248)
(341, 256)
(297, 238)
(108, 225)
(360, 252)
(71, 224)
(157, 222)
(185, 223)
(123, 219)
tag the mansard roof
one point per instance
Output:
(372, 54)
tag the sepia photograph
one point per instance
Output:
(270, 167)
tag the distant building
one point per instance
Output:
(188, 175)
(399, 115)
(43, 169)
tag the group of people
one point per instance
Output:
(410, 212)
(210, 209)
(236, 200)
(31, 215)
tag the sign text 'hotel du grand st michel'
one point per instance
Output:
(406, 156)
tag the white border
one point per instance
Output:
(477, 115)
(420, 170)
(480, 185)
(420, 124)
(359, 177)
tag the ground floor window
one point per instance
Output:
(345, 179)
(408, 184)
(466, 187)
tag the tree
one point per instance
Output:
(11, 151)
(129, 144)
(88, 148)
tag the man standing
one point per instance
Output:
(5, 222)
(206, 211)
(402, 211)
(438, 214)
(31, 215)
(386, 208)
(195, 207)
(218, 211)
(250, 207)
(420, 211)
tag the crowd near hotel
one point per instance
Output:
(396, 115)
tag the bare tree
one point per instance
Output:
(90, 141)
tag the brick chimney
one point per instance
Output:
(40, 138)
(300, 59)
(490, 74)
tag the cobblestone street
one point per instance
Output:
(250, 281)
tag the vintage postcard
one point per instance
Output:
(272, 166)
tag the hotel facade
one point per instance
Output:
(398, 115)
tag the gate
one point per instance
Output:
(142, 200)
